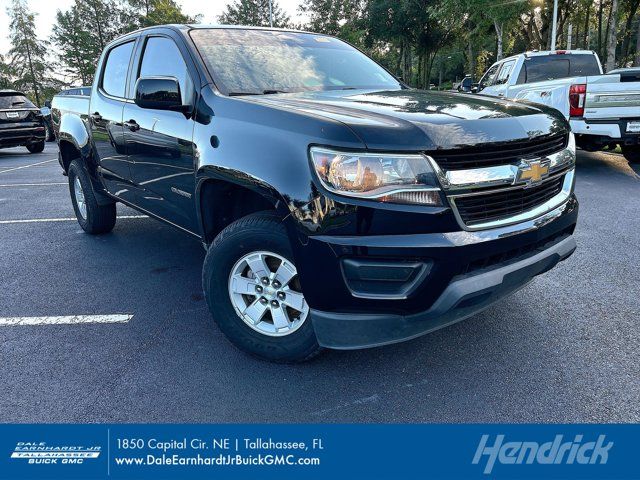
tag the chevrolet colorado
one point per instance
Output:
(603, 110)
(339, 208)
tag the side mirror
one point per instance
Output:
(476, 87)
(159, 93)
(47, 103)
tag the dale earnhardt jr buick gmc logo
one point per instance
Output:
(42, 453)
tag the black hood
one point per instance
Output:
(424, 120)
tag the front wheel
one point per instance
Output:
(92, 217)
(253, 291)
(631, 153)
(36, 147)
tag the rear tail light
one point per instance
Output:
(577, 94)
(560, 52)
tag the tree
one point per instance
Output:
(82, 32)
(637, 59)
(27, 54)
(612, 36)
(78, 48)
(5, 79)
(146, 13)
(254, 13)
(332, 17)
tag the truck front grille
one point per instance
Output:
(493, 154)
(501, 204)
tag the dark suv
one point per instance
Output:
(338, 207)
(21, 122)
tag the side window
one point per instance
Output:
(505, 71)
(490, 76)
(114, 75)
(163, 59)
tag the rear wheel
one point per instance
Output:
(36, 147)
(92, 217)
(631, 153)
(253, 291)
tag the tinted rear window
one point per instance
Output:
(15, 101)
(551, 67)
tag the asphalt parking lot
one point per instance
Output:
(567, 349)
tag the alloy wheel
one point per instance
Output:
(265, 291)
(80, 200)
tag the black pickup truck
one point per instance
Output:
(21, 122)
(339, 208)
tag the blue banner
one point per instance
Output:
(319, 451)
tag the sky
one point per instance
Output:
(46, 10)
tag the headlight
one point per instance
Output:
(394, 178)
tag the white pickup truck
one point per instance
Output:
(603, 110)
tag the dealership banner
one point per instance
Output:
(319, 451)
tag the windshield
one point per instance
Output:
(15, 101)
(264, 61)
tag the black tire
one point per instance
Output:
(99, 218)
(631, 153)
(256, 232)
(36, 147)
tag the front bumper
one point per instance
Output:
(462, 298)
(466, 272)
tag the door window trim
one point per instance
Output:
(139, 58)
(100, 88)
(512, 63)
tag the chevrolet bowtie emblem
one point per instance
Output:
(532, 171)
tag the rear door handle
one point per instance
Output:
(132, 125)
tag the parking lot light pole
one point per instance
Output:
(555, 24)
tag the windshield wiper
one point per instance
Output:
(264, 92)
(17, 103)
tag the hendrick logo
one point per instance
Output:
(555, 452)
(40, 452)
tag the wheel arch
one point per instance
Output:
(224, 197)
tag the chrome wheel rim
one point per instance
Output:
(80, 201)
(265, 292)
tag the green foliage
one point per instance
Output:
(5, 78)
(146, 13)
(423, 41)
(27, 64)
(254, 13)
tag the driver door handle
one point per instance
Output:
(132, 125)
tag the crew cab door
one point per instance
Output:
(159, 142)
(105, 120)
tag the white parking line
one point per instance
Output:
(64, 320)
(70, 219)
(32, 184)
(27, 166)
